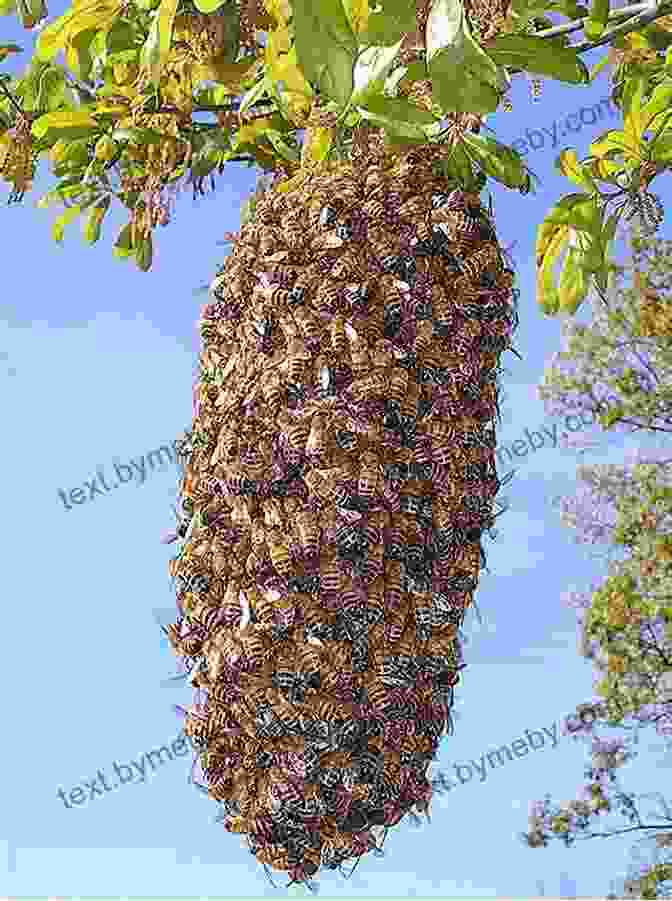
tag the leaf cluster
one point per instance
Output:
(137, 72)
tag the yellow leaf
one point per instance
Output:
(547, 294)
(110, 110)
(282, 63)
(56, 35)
(632, 121)
(608, 168)
(545, 234)
(278, 9)
(357, 12)
(316, 145)
(62, 119)
(248, 133)
(571, 168)
(57, 152)
(572, 286)
(614, 140)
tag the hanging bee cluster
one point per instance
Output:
(17, 158)
(337, 481)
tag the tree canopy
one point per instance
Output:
(290, 83)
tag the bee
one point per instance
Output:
(424, 335)
(369, 476)
(338, 336)
(293, 231)
(375, 181)
(309, 532)
(535, 88)
(346, 267)
(329, 295)
(369, 387)
(316, 444)
(326, 710)
(308, 324)
(359, 353)
(279, 552)
(254, 648)
(296, 433)
(479, 261)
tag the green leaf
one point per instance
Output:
(661, 149)
(372, 67)
(255, 93)
(229, 16)
(458, 165)
(283, 148)
(51, 91)
(91, 227)
(539, 56)
(396, 110)
(81, 45)
(123, 246)
(464, 78)
(208, 6)
(499, 161)
(326, 47)
(389, 25)
(65, 125)
(597, 20)
(156, 48)
(573, 285)
(547, 292)
(64, 219)
(120, 37)
(659, 102)
(597, 68)
(144, 253)
(570, 167)
(7, 7)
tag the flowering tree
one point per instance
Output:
(618, 367)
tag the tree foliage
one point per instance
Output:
(290, 83)
(625, 621)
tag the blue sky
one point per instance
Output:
(97, 362)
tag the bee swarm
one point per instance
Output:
(338, 477)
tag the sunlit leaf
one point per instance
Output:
(66, 124)
(540, 56)
(91, 226)
(58, 228)
(570, 167)
(325, 46)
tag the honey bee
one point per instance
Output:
(424, 336)
(369, 476)
(254, 647)
(477, 263)
(359, 353)
(398, 385)
(369, 387)
(309, 532)
(317, 439)
(297, 433)
(293, 231)
(316, 483)
(338, 336)
(308, 324)
(374, 210)
(326, 710)
(375, 181)
(279, 554)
